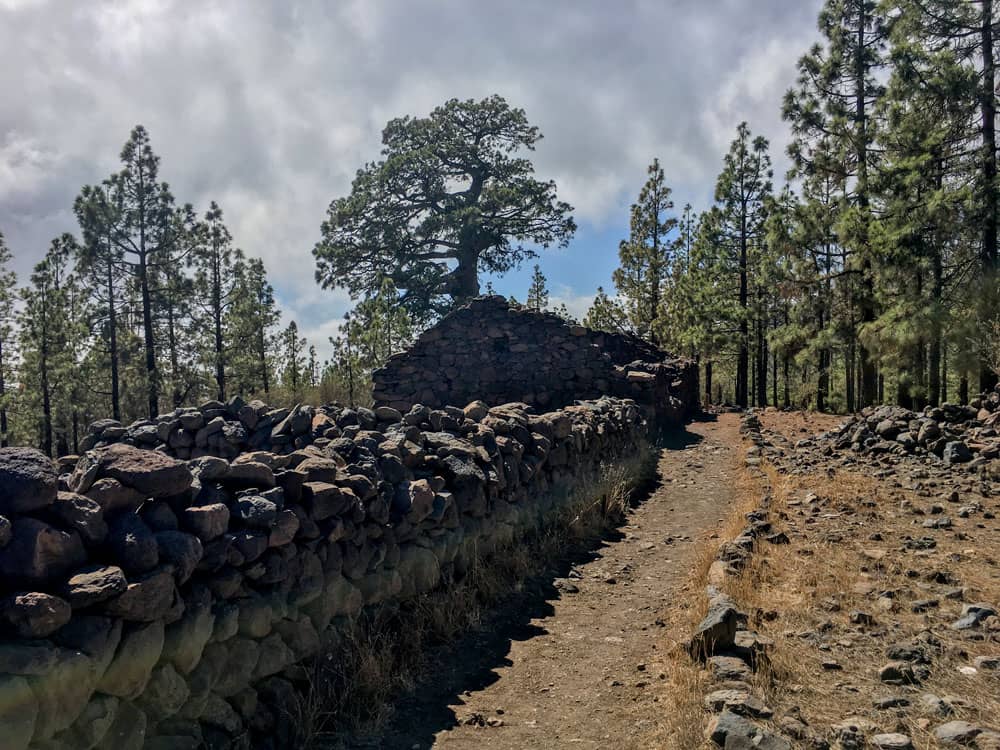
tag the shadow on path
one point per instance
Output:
(470, 663)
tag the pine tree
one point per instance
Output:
(741, 193)
(538, 293)
(646, 255)
(294, 375)
(831, 114)
(141, 221)
(252, 318)
(216, 284)
(945, 65)
(101, 264)
(47, 335)
(607, 314)
(8, 287)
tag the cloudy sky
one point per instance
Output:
(269, 107)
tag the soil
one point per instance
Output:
(571, 661)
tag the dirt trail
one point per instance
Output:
(573, 662)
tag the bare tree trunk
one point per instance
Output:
(116, 410)
(3, 409)
(988, 378)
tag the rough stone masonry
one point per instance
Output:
(149, 601)
(497, 352)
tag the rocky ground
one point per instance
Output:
(867, 578)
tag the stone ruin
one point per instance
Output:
(497, 352)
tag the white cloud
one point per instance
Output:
(270, 107)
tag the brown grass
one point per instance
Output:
(685, 719)
(811, 586)
(814, 586)
(802, 595)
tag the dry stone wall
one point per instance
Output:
(496, 352)
(151, 601)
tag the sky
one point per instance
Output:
(270, 106)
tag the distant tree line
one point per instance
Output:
(149, 307)
(872, 276)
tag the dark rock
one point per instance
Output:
(256, 512)
(207, 521)
(973, 615)
(28, 478)
(94, 584)
(147, 598)
(82, 514)
(34, 614)
(113, 496)
(38, 553)
(250, 474)
(717, 631)
(957, 452)
(132, 544)
(957, 733)
(27, 657)
(181, 550)
(152, 473)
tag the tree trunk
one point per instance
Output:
(944, 373)
(761, 365)
(152, 377)
(963, 390)
(774, 378)
(743, 363)
(465, 277)
(172, 346)
(46, 395)
(220, 367)
(868, 373)
(788, 396)
(116, 410)
(849, 377)
(708, 383)
(3, 409)
(937, 290)
(988, 378)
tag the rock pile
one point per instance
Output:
(227, 430)
(952, 433)
(496, 352)
(151, 601)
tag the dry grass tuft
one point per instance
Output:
(685, 721)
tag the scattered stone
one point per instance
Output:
(892, 741)
(957, 733)
(973, 615)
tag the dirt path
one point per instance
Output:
(573, 662)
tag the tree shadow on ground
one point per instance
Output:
(471, 662)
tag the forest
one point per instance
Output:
(867, 274)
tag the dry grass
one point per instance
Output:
(385, 652)
(686, 720)
(828, 572)
(802, 595)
